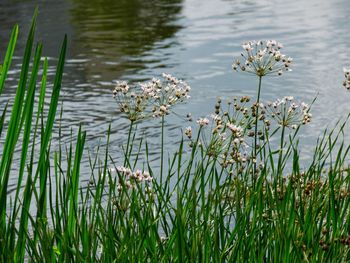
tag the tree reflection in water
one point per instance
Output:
(118, 35)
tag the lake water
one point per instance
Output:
(195, 40)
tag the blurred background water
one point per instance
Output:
(195, 40)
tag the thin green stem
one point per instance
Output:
(127, 155)
(280, 155)
(162, 152)
(256, 127)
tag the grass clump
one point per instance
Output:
(227, 194)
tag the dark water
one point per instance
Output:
(193, 39)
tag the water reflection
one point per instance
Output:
(51, 27)
(193, 39)
(108, 40)
(116, 36)
(114, 40)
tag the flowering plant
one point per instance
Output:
(263, 58)
(289, 113)
(150, 99)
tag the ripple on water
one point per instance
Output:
(193, 39)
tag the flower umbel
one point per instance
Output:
(263, 58)
(132, 101)
(130, 177)
(166, 94)
(188, 132)
(203, 121)
(346, 82)
(150, 99)
(289, 113)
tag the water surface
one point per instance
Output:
(193, 39)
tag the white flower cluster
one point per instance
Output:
(237, 131)
(132, 102)
(289, 113)
(188, 132)
(150, 99)
(131, 177)
(121, 87)
(203, 121)
(226, 140)
(263, 58)
(236, 153)
(346, 82)
(165, 94)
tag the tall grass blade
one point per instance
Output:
(14, 125)
(8, 57)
